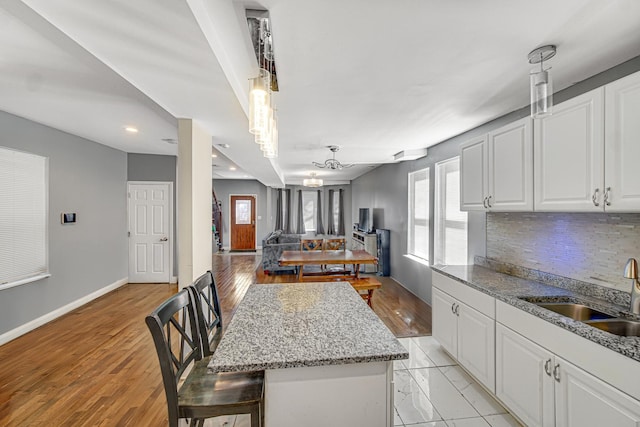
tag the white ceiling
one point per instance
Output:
(374, 77)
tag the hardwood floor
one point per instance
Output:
(97, 366)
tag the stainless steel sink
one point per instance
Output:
(574, 311)
(622, 327)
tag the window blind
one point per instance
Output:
(23, 217)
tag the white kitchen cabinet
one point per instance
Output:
(521, 380)
(568, 149)
(445, 324)
(511, 167)
(622, 145)
(542, 389)
(583, 400)
(474, 187)
(466, 333)
(497, 170)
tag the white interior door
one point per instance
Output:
(150, 239)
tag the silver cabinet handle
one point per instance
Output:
(556, 372)
(547, 367)
(164, 239)
(489, 201)
(595, 197)
(607, 202)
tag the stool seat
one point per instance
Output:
(366, 284)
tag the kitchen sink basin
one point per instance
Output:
(574, 311)
(622, 327)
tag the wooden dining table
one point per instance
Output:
(302, 258)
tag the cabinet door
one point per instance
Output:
(568, 149)
(510, 170)
(473, 175)
(583, 400)
(476, 344)
(445, 323)
(522, 382)
(622, 144)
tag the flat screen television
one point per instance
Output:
(364, 220)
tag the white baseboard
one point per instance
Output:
(36, 323)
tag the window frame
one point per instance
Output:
(42, 192)
(314, 199)
(440, 222)
(411, 219)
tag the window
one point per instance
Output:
(309, 209)
(450, 225)
(418, 229)
(23, 218)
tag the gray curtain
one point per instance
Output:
(341, 213)
(287, 220)
(331, 227)
(319, 225)
(279, 213)
(300, 215)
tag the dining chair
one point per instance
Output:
(205, 294)
(337, 244)
(203, 394)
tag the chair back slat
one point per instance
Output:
(311, 244)
(175, 334)
(339, 244)
(208, 311)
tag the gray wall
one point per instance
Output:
(154, 167)
(86, 178)
(224, 188)
(385, 188)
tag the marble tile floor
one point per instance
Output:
(431, 390)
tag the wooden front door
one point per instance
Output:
(243, 223)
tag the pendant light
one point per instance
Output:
(263, 123)
(541, 83)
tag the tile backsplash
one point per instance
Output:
(591, 247)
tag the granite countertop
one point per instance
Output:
(303, 324)
(511, 289)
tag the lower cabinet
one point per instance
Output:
(543, 389)
(466, 334)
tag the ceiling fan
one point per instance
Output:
(333, 163)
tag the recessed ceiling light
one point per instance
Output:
(232, 168)
(131, 129)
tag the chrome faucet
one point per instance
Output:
(631, 272)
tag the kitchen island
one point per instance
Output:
(327, 357)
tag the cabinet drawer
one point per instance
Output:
(482, 302)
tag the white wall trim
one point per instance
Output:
(36, 323)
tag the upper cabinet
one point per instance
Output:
(568, 149)
(622, 145)
(497, 171)
(582, 158)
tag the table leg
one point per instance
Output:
(356, 268)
